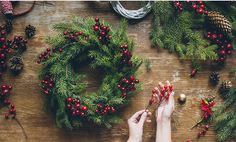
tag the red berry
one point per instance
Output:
(65, 33)
(4, 86)
(194, 6)
(124, 95)
(69, 99)
(222, 52)
(200, 10)
(96, 19)
(84, 108)
(132, 78)
(136, 81)
(214, 36)
(229, 46)
(77, 105)
(202, 6)
(96, 28)
(97, 111)
(60, 49)
(113, 110)
(207, 127)
(229, 52)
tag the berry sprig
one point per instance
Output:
(4, 51)
(47, 85)
(203, 131)
(178, 6)
(225, 47)
(127, 84)
(73, 36)
(105, 109)
(158, 96)
(197, 6)
(102, 32)
(19, 43)
(5, 92)
(75, 108)
(126, 55)
(206, 106)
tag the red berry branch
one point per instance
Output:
(126, 85)
(224, 45)
(197, 6)
(206, 107)
(75, 108)
(102, 32)
(105, 109)
(158, 96)
(47, 85)
(126, 55)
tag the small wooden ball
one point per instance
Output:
(182, 98)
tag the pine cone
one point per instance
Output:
(214, 78)
(16, 64)
(218, 22)
(30, 31)
(225, 86)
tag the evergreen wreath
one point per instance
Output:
(104, 49)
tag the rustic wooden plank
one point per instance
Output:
(40, 126)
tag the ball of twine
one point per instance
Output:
(131, 14)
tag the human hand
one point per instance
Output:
(166, 107)
(136, 123)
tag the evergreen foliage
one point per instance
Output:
(224, 116)
(104, 57)
(183, 32)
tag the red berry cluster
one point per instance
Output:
(19, 43)
(203, 131)
(11, 112)
(103, 32)
(127, 85)
(178, 6)
(5, 46)
(5, 92)
(224, 46)
(47, 85)
(105, 109)
(199, 7)
(164, 94)
(126, 55)
(47, 54)
(75, 108)
(73, 36)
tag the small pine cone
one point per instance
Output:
(30, 31)
(214, 78)
(225, 86)
(218, 22)
(16, 64)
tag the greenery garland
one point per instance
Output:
(181, 27)
(224, 117)
(100, 47)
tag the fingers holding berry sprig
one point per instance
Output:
(163, 98)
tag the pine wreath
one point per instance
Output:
(92, 41)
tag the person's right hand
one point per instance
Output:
(166, 107)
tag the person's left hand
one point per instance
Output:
(136, 123)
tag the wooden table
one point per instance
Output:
(40, 125)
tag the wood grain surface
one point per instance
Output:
(40, 125)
